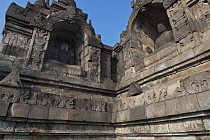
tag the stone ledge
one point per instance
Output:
(38, 112)
(175, 106)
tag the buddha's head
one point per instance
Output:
(162, 27)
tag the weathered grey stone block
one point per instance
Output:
(7, 127)
(93, 116)
(156, 110)
(159, 127)
(58, 113)
(189, 104)
(142, 129)
(176, 126)
(38, 112)
(3, 108)
(172, 106)
(106, 117)
(41, 127)
(23, 127)
(206, 121)
(162, 66)
(204, 99)
(76, 129)
(93, 129)
(182, 57)
(114, 117)
(77, 115)
(60, 128)
(181, 105)
(123, 116)
(137, 113)
(192, 125)
(19, 110)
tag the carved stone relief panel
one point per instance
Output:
(153, 95)
(27, 96)
(194, 84)
(37, 49)
(99, 105)
(94, 63)
(197, 83)
(17, 95)
(15, 45)
(132, 56)
(183, 24)
(14, 95)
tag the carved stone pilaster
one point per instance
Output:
(183, 24)
(38, 46)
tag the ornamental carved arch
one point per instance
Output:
(65, 43)
(144, 28)
(65, 47)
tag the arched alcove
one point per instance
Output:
(144, 27)
(65, 44)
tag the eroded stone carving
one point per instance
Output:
(134, 89)
(201, 12)
(15, 45)
(24, 95)
(27, 96)
(64, 69)
(54, 100)
(197, 83)
(94, 58)
(38, 45)
(14, 95)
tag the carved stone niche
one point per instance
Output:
(145, 31)
(65, 47)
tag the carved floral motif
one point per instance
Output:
(191, 85)
(26, 96)
(197, 83)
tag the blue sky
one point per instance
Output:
(109, 17)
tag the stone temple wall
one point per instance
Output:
(163, 93)
(59, 81)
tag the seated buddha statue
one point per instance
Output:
(165, 37)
